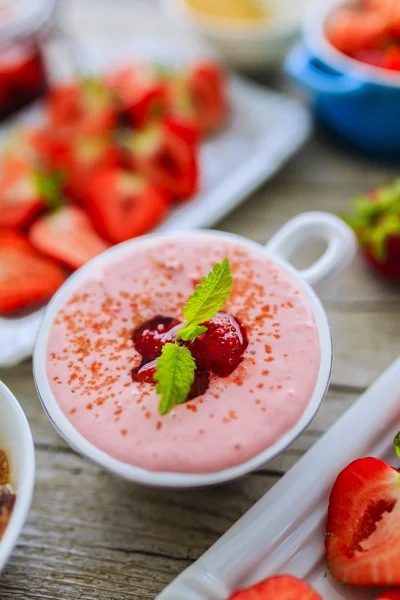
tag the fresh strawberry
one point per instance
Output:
(78, 158)
(166, 159)
(376, 222)
(363, 530)
(26, 278)
(208, 90)
(280, 587)
(20, 199)
(390, 595)
(123, 205)
(14, 239)
(351, 30)
(181, 111)
(220, 349)
(68, 236)
(141, 93)
(152, 335)
(87, 107)
(145, 372)
(392, 59)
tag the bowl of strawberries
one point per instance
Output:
(108, 160)
(349, 64)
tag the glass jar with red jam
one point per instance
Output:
(23, 79)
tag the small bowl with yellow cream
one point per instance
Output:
(250, 35)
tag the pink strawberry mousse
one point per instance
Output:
(91, 356)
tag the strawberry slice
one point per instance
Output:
(87, 107)
(207, 86)
(363, 530)
(123, 205)
(14, 239)
(280, 587)
(166, 159)
(181, 111)
(141, 93)
(20, 200)
(390, 595)
(26, 278)
(392, 59)
(351, 30)
(68, 236)
(376, 222)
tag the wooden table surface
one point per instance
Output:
(92, 537)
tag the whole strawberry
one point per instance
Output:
(220, 349)
(376, 222)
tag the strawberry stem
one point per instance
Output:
(396, 443)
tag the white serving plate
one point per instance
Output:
(284, 532)
(265, 130)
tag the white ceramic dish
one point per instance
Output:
(284, 532)
(248, 47)
(341, 247)
(16, 441)
(266, 129)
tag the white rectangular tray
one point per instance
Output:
(265, 130)
(284, 532)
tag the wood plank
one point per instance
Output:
(92, 536)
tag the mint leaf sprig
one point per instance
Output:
(175, 368)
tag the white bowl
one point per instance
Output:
(341, 247)
(246, 46)
(16, 441)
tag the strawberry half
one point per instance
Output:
(26, 278)
(280, 587)
(67, 235)
(165, 157)
(363, 530)
(123, 205)
(206, 81)
(376, 222)
(20, 200)
(140, 92)
(87, 107)
(390, 595)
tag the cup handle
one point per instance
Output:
(306, 71)
(340, 240)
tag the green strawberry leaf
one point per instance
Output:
(191, 331)
(174, 376)
(209, 296)
(49, 187)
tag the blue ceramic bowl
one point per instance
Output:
(359, 102)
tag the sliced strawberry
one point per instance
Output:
(14, 239)
(181, 111)
(79, 157)
(376, 222)
(67, 236)
(280, 587)
(183, 128)
(363, 530)
(20, 199)
(392, 59)
(390, 595)
(166, 159)
(140, 92)
(123, 205)
(87, 107)
(26, 278)
(351, 30)
(208, 89)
